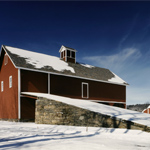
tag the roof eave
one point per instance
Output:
(36, 70)
(64, 47)
(3, 46)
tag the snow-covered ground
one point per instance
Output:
(31, 136)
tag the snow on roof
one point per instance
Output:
(66, 48)
(34, 58)
(86, 65)
(146, 109)
(116, 79)
(42, 62)
(143, 110)
(117, 112)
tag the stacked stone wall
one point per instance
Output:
(58, 113)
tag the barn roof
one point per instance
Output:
(42, 62)
(65, 47)
(146, 109)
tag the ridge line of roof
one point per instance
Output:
(29, 51)
(52, 56)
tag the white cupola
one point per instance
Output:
(68, 54)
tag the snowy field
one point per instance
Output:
(31, 136)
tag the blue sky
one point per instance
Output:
(113, 35)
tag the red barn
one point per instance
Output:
(26, 71)
(147, 110)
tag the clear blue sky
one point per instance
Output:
(113, 35)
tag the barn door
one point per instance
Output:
(85, 90)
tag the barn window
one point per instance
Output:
(10, 81)
(85, 90)
(5, 59)
(61, 54)
(64, 53)
(2, 86)
(68, 53)
(73, 54)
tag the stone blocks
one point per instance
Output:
(58, 113)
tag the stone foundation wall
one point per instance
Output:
(58, 113)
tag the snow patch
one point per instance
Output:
(88, 66)
(143, 110)
(116, 79)
(41, 60)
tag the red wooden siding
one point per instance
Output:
(70, 60)
(9, 97)
(147, 111)
(72, 87)
(31, 82)
(34, 81)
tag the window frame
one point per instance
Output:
(68, 53)
(10, 81)
(2, 86)
(87, 84)
(5, 59)
(71, 54)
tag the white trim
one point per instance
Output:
(70, 54)
(108, 101)
(10, 81)
(63, 48)
(19, 100)
(2, 86)
(9, 56)
(72, 50)
(83, 83)
(70, 76)
(63, 55)
(5, 59)
(48, 83)
(66, 55)
(70, 57)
